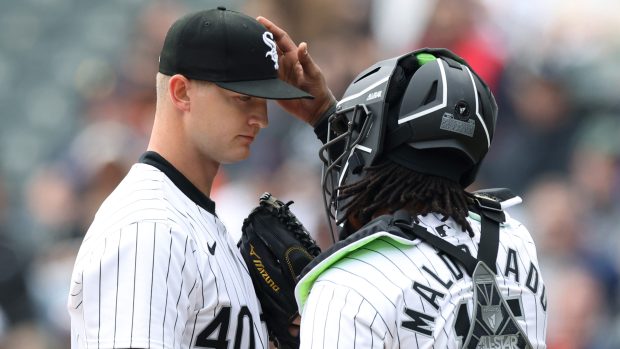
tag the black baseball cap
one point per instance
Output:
(228, 48)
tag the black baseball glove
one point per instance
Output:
(276, 247)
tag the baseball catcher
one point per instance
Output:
(276, 247)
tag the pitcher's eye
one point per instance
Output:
(244, 98)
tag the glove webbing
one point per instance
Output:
(283, 214)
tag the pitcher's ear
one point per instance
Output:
(178, 87)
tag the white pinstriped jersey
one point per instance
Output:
(157, 269)
(398, 293)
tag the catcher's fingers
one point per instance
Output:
(289, 61)
(293, 329)
(283, 40)
(307, 63)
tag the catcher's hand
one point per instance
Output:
(276, 247)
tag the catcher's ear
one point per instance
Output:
(354, 223)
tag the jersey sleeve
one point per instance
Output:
(137, 287)
(336, 316)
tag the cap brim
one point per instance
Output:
(268, 89)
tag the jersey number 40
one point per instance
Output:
(221, 323)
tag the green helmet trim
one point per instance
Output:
(424, 58)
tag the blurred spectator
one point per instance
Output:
(309, 20)
(48, 286)
(138, 65)
(27, 336)
(408, 18)
(98, 158)
(535, 130)
(52, 206)
(576, 308)
(63, 197)
(595, 172)
(555, 213)
(15, 305)
(342, 66)
(462, 26)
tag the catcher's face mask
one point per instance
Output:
(355, 134)
(427, 111)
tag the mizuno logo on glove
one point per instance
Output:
(258, 263)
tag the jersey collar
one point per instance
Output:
(154, 159)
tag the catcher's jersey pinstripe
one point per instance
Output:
(388, 294)
(157, 269)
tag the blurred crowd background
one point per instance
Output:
(77, 100)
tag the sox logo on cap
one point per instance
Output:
(268, 39)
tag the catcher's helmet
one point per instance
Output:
(426, 110)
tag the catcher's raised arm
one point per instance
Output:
(276, 247)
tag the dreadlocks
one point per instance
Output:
(391, 186)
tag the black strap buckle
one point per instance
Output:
(488, 204)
